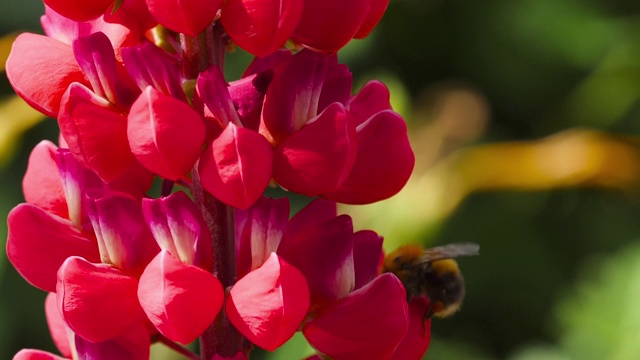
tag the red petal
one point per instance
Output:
(40, 69)
(261, 27)
(373, 98)
(236, 167)
(165, 134)
(180, 300)
(41, 184)
(95, 132)
(328, 25)
(293, 95)
(312, 216)
(259, 230)
(367, 249)
(416, 342)
(98, 302)
(132, 345)
(369, 323)
(376, 10)
(149, 65)
(268, 305)
(384, 162)
(124, 239)
(38, 243)
(178, 226)
(331, 275)
(317, 159)
(31, 354)
(57, 326)
(184, 16)
(212, 89)
(135, 181)
(79, 10)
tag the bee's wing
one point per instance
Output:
(449, 251)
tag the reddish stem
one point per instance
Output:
(221, 337)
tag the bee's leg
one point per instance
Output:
(427, 315)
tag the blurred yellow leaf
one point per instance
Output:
(16, 117)
(574, 158)
(5, 48)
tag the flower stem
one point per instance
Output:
(221, 337)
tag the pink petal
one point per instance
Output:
(178, 227)
(317, 159)
(79, 10)
(236, 167)
(135, 181)
(330, 275)
(97, 59)
(268, 304)
(76, 180)
(41, 184)
(367, 249)
(293, 94)
(123, 237)
(148, 65)
(57, 327)
(328, 25)
(373, 98)
(39, 242)
(95, 132)
(261, 27)
(180, 300)
(40, 69)
(66, 30)
(165, 134)
(336, 86)
(384, 162)
(31, 354)
(416, 342)
(212, 89)
(98, 302)
(259, 230)
(369, 323)
(184, 16)
(312, 216)
(134, 344)
(376, 10)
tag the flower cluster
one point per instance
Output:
(138, 91)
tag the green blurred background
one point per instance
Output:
(524, 115)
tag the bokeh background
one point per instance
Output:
(524, 115)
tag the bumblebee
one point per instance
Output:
(432, 273)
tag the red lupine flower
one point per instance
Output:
(261, 27)
(79, 10)
(349, 150)
(177, 292)
(126, 268)
(41, 184)
(165, 134)
(184, 16)
(350, 305)
(132, 14)
(269, 303)
(328, 25)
